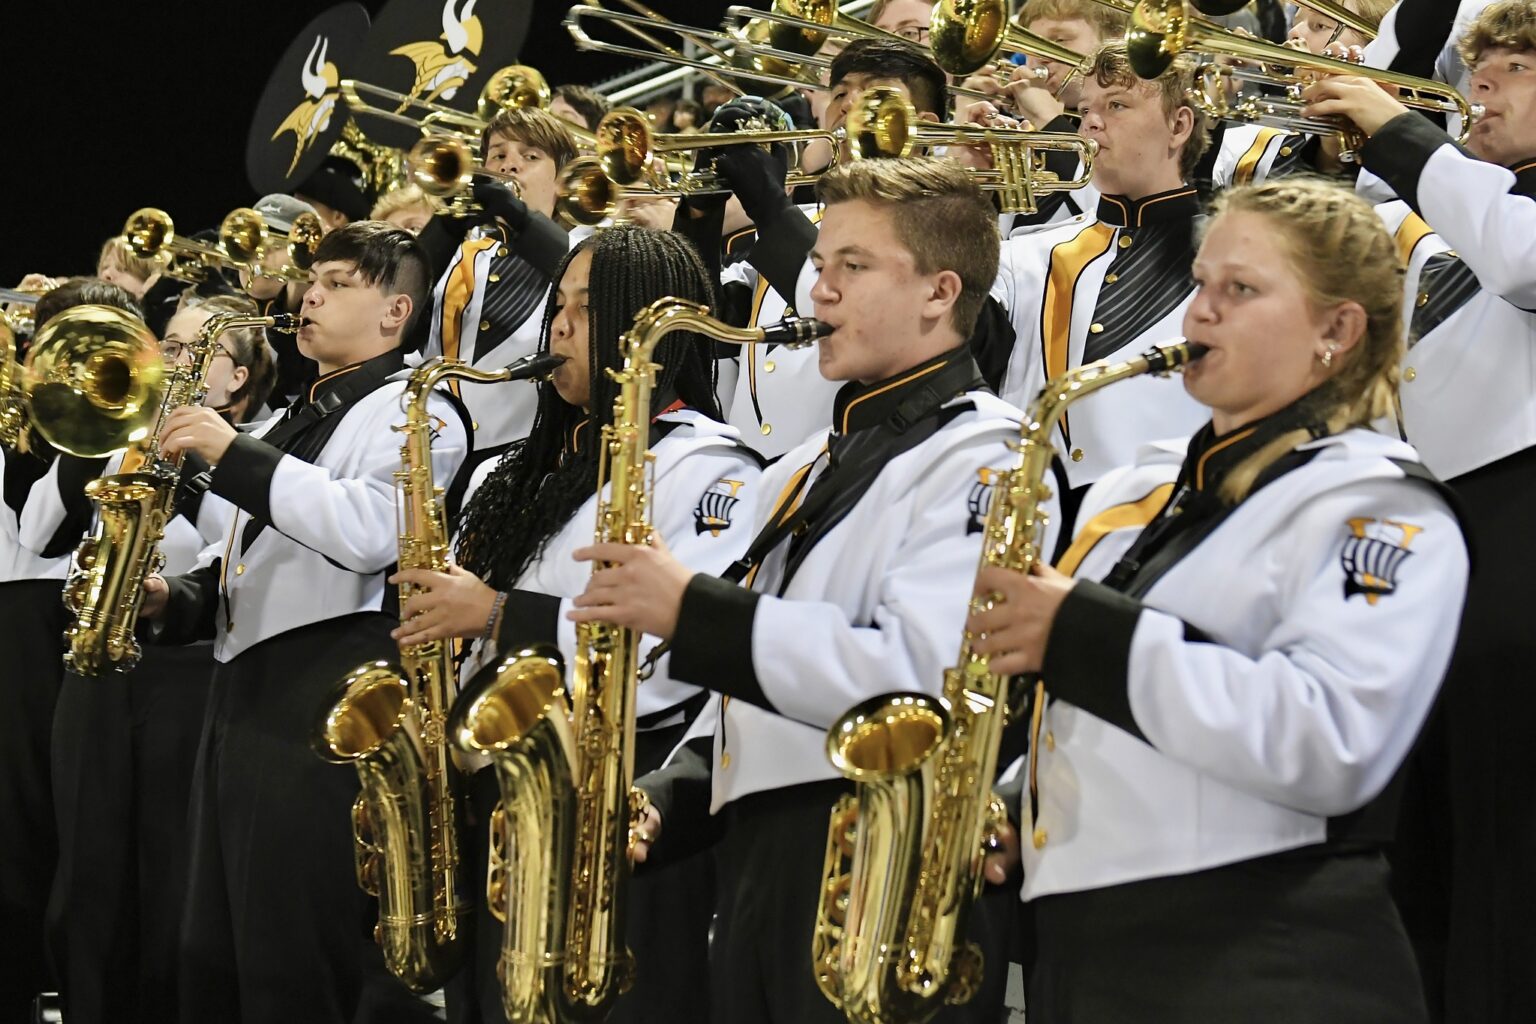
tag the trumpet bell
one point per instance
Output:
(148, 232)
(243, 235)
(624, 145)
(801, 39)
(964, 34)
(441, 166)
(1155, 36)
(880, 124)
(514, 87)
(304, 239)
(94, 380)
(587, 195)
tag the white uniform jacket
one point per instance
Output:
(1469, 379)
(875, 603)
(17, 561)
(1068, 305)
(706, 485)
(1273, 678)
(332, 534)
(1248, 153)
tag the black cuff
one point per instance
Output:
(244, 476)
(781, 250)
(1398, 152)
(1088, 654)
(541, 242)
(681, 793)
(528, 618)
(440, 239)
(191, 607)
(712, 645)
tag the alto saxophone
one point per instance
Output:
(905, 852)
(105, 586)
(13, 410)
(388, 722)
(561, 834)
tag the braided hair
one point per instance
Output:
(542, 480)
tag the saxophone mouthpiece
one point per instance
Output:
(796, 333)
(1164, 359)
(537, 366)
(288, 323)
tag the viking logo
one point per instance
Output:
(1373, 552)
(313, 115)
(440, 69)
(716, 507)
(979, 503)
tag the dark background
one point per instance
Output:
(114, 106)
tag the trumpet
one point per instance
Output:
(151, 234)
(246, 237)
(883, 123)
(1162, 29)
(626, 147)
(967, 35)
(443, 166)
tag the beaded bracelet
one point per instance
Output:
(490, 623)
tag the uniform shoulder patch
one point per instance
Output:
(1374, 551)
(716, 509)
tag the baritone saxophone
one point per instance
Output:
(905, 851)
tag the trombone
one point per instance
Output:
(1161, 30)
(883, 123)
(246, 237)
(967, 35)
(626, 147)
(151, 234)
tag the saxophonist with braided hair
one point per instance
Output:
(524, 517)
(1255, 624)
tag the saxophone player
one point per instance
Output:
(857, 578)
(529, 511)
(1256, 624)
(293, 596)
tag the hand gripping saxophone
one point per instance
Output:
(905, 853)
(560, 837)
(388, 722)
(106, 577)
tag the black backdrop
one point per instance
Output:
(112, 106)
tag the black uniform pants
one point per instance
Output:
(123, 751)
(769, 869)
(32, 622)
(276, 929)
(1289, 939)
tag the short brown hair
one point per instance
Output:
(586, 101)
(532, 127)
(1510, 24)
(1108, 22)
(1110, 65)
(121, 253)
(939, 214)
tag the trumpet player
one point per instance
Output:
(1465, 218)
(32, 623)
(274, 295)
(1253, 632)
(294, 596)
(856, 578)
(1094, 287)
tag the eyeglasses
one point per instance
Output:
(172, 351)
(914, 33)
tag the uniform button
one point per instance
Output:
(1285, 150)
(474, 425)
(725, 760)
(240, 569)
(502, 251)
(1050, 742)
(767, 429)
(769, 366)
(1111, 278)
(1423, 299)
(1077, 455)
(485, 325)
(1410, 374)
(1040, 838)
(1125, 241)
(1095, 328)
(494, 278)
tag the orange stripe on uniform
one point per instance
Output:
(1117, 517)
(1248, 163)
(456, 295)
(1068, 261)
(1410, 233)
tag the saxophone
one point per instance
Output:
(13, 410)
(905, 852)
(561, 834)
(388, 722)
(105, 585)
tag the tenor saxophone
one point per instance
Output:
(105, 585)
(561, 834)
(905, 851)
(388, 722)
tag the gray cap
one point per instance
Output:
(281, 210)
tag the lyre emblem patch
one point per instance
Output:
(717, 507)
(1373, 553)
(978, 503)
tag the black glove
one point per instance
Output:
(499, 202)
(755, 173)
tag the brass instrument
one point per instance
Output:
(246, 237)
(93, 380)
(13, 410)
(1162, 29)
(388, 722)
(1328, 8)
(905, 852)
(882, 123)
(105, 586)
(568, 807)
(626, 149)
(18, 315)
(967, 35)
(151, 234)
(445, 167)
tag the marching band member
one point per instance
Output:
(294, 597)
(406, 207)
(488, 302)
(274, 295)
(581, 105)
(32, 623)
(1086, 291)
(537, 505)
(857, 579)
(1468, 406)
(1231, 698)
(123, 748)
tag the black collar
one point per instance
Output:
(1525, 178)
(861, 406)
(1180, 204)
(381, 365)
(1211, 456)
